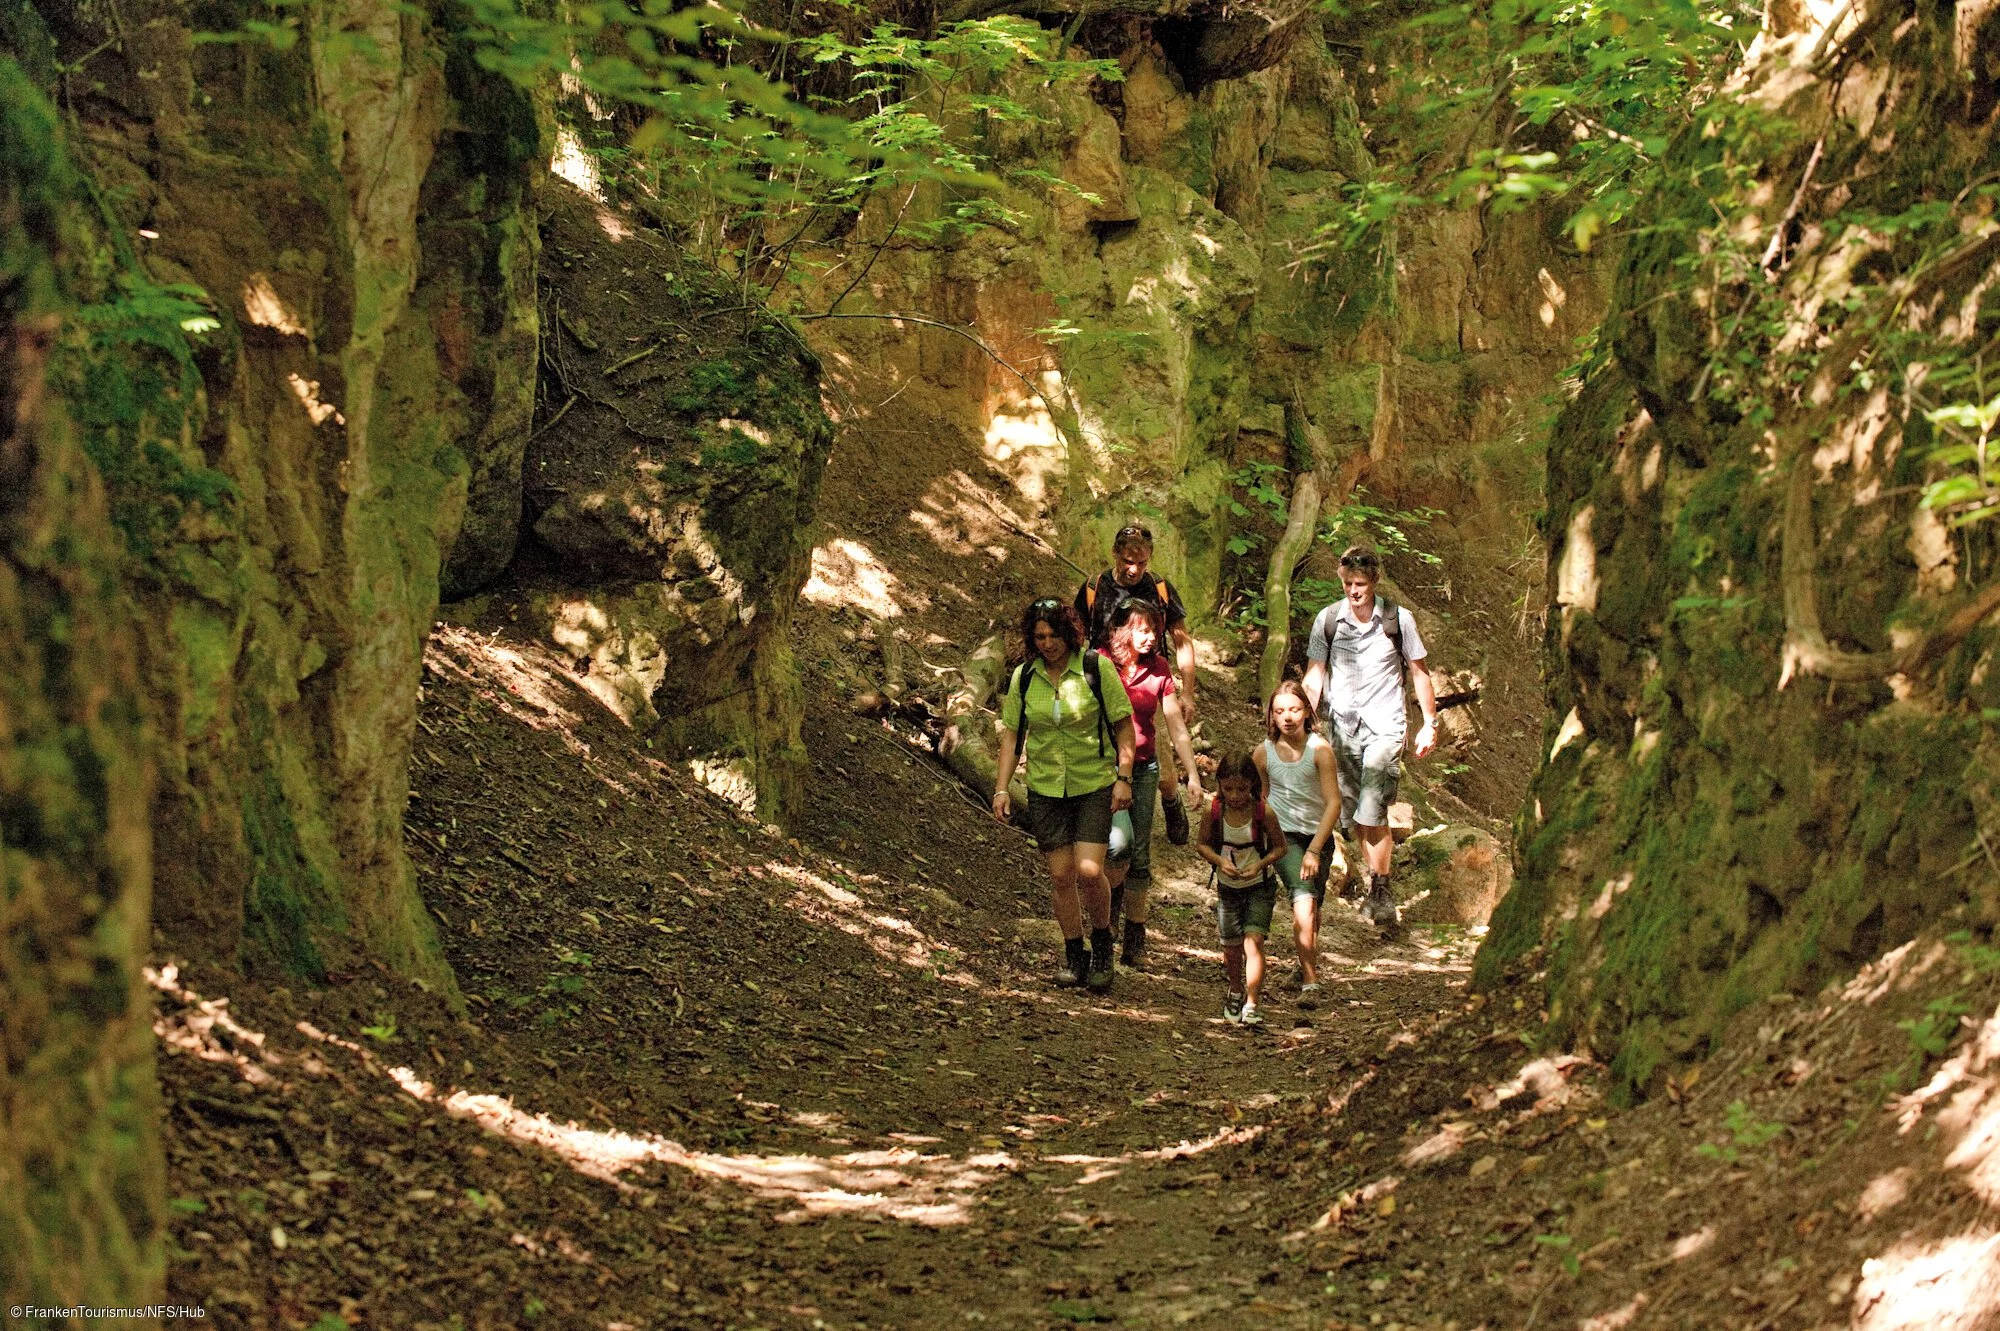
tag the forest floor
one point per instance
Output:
(712, 1075)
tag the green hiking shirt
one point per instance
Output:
(1062, 756)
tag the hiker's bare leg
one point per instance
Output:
(1377, 847)
(1305, 935)
(1091, 889)
(1253, 966)
(1062, 891)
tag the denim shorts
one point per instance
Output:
(1059, 821)
(1245, 910)
(1295, 860)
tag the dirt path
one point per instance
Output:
(712, 1076)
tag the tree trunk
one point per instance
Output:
(1297, 539)
(1309, 501)
(81, 1171)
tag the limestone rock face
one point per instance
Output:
(667, 508)
(286, 490)
(1200, 318)
(82, 1188)
(1765, 761)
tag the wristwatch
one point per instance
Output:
(1126, 777)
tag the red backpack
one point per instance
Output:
(1211, 833)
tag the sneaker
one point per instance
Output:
(1232, 1008)
(1250, 1016)
(1135, 946)
(1175, 815)
(1309, 995)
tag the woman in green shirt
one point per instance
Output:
(1079, 752)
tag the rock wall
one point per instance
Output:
(1193, 325)
(665, 502)
(286, 483)
(1766, 759)
(81, 1174)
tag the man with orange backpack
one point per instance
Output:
(1099, 603)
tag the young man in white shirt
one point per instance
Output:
(1354, 681)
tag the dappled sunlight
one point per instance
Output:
(848, 574)
(263, 306)
(318, 410)
(1022, 439)
(889, 936)
(902, 1183)
(961, 518)
(1951, 1285)
(574, 163)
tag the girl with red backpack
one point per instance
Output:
(1241, 840)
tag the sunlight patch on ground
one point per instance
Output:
(847, 574)
(889, 936)
(962, 519)
(903, 1184)
(1953, 1285)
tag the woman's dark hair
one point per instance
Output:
(1056, 615)
(1121, 630)
(1240, 763)
(1297, 690)
(1361, 559)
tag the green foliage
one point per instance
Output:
(384, 1029)
(744, 163)
(1930, 1035)
(1745, 1132)
(127, 371)
(1358, 521)
(1564, 1248)
(1503, 103)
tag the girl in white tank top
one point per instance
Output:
(1301, 775)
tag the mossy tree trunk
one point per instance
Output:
(81, 1171)
(1771, 670)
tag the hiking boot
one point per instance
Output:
(1380, 908)
(1232, 1008)
(1309, 995)
(1175, 815)
(1135, 946)
(1250, 1016)
(1075, 970)
(1099, 978)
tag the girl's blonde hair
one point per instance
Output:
(1297, 690)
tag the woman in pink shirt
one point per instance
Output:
(1136, 630)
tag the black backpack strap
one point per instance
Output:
(1021, 687)
(1392, 628)
(1093, 672)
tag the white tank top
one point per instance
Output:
(1294, 794)
(1239, 848)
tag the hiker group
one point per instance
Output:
(1099, 715)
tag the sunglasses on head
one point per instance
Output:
(1134, 532)
(1046, 606)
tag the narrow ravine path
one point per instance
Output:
(717, 1077)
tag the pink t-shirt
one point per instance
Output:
(1146, 683)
